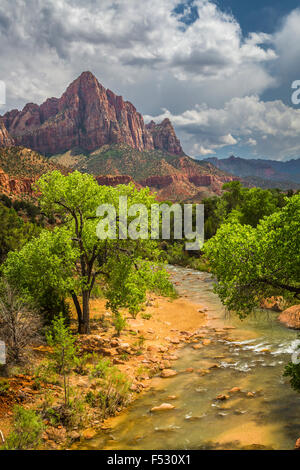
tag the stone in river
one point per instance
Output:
(206, 342)
(88, 433)
(163, 407)
(222, 397)
(166, 373)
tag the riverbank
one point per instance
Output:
(228, 394)
(147, 347)
(225, 387)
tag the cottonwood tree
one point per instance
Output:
(250, 264)
(71, 258)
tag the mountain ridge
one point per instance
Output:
(270, 170)
(87, 116)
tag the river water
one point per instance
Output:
(251, 356)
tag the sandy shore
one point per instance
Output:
(150, 342)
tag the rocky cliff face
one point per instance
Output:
(20, 168)
(5, 139)
(15, 186)
(164, 137)
(114, 180)
(86, 116)
(183, 186)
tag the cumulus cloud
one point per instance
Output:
(131, 46)
(157, 55)
(287, 45)
(271, 127)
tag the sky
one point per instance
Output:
(221, 70)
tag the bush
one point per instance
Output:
(119, 323)
(61, 339)
(293, 371)
(27, 430)
(81, 363)
(113, 393)
(71, 416)
(4, 387)
(44, 374)
(20, 324)
(101, 369)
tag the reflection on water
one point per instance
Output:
(263, 414)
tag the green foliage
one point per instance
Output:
(70, 259)
(240, 204)
(81, 363)
(293, 371)
(14, 232)
(61, 339)
(101, 368)
(44, 374)
(146, 316)
(64, 353)
(4, 387)
(250, 263)
(42, 270)
(113, 393)
(27, 430)
(74, 415)
(176, 254)
(119, 322)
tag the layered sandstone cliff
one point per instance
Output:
(164, 137)
(87, 116)
(5, 139)
(15, 186)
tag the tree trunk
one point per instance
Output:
(79, 312)
(85, 312)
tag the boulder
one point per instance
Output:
(166, 373)
(291, 317)
(88, 433)
(222, 397)
(273, 303)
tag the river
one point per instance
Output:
(250, 354)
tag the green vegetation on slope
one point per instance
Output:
(20, 162)
(124, 160)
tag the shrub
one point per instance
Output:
(119, 323)
(73, 415)
(81, 364)
(4, 387)
(27, 430)
(293, 371)
(64, 351)
(20, 324)
(101, 368)
(44, 374)
(114, 393)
